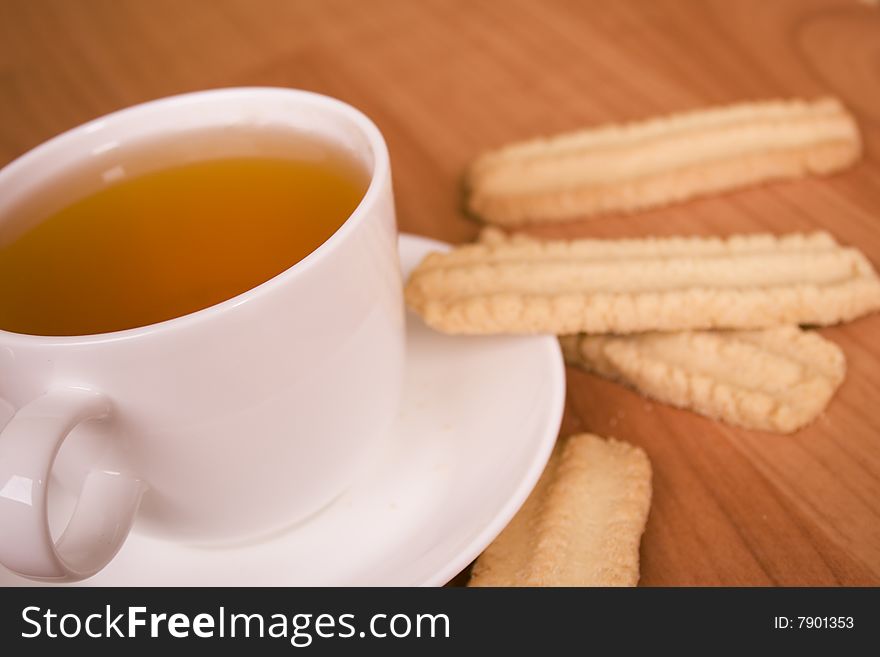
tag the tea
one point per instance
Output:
(166, 243)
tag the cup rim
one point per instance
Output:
(378, 179)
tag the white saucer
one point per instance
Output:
(478, 421)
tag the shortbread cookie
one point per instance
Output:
(582, 524)
(633, 166)
(521, 285)
(777, 379)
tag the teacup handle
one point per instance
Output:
(104, 511)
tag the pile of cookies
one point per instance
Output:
(708, 324)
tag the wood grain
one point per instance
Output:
(446, 79)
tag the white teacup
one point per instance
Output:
(226, 423)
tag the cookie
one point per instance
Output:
(777, 379)
(623, 168)
(582, 524)
(522, 286)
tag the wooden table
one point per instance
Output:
(445, 79)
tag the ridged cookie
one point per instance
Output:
(663, 160)
(582, 524)
(776, 379)
(637, 285)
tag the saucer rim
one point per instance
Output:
(530, 478)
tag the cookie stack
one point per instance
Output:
(709, 324)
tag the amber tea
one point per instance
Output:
(172, 241)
